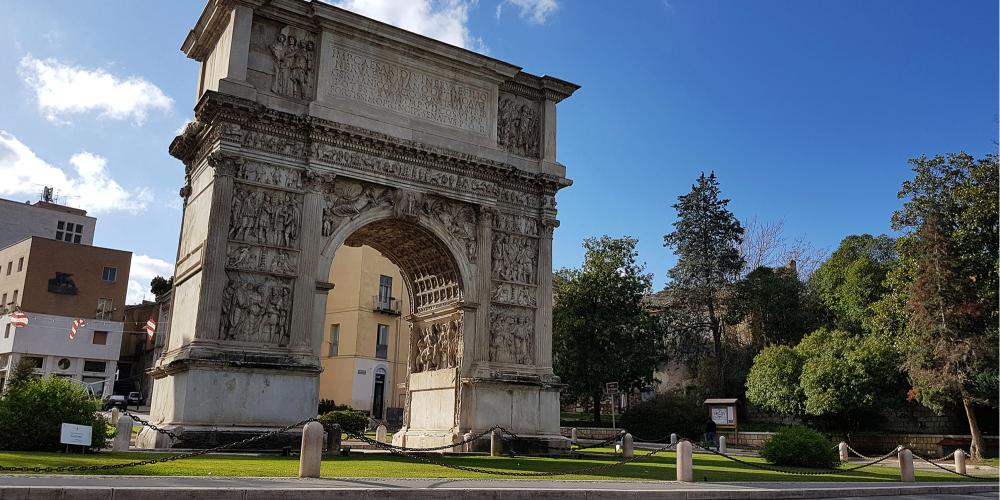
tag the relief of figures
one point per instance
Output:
(512, 293)
(512, 335)
(265, 217)
(263, 259)
(515, 258)
(256, 309)
(516, 224)
(459, 219)
(274, 175)
(518, 126)
(436, 346)
(292, 52)
(350, 199)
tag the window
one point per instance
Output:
(384, 290)
(382, 342)
(20, 264)
(36, 361)
(110, 274)
(105, 308)
(6, 331)
(61, 225)
(10, 265)
(4, 303)
(100, 338)
(94, 366)
(14, 300)
(69, 232)
(76, 239)
(334, 339)
(59, 235)
(63, 364)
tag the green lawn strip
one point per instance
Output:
(710, 467)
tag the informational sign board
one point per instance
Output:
(76, 434)
(723, 415)
(611, 388)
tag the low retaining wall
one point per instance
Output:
(929, 445)
(590, 432)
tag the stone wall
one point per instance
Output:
(930, 445)
(590, 432)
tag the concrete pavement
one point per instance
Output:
(197, 488)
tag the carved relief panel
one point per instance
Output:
(256, 308)
(272, 175)
(347, 199)
(436, 345)
(262, 259)
(282, 59)
(515, 258)
(518, 125)
(512, 334)
(265, 216)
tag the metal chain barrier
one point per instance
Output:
(643, 440)
(863, 457)
(585, 470)
(798, 473)
(939, 466)
(170, 458)
(433, 448)
(150, 425)
(600, 444)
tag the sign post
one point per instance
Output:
(72, 434)
(611, 389)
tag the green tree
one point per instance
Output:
(160, 285)
(773, 307)
(773, 382)
(853, 279)
(33, 410)
(950, 224)
(706, 240)
(601, 331)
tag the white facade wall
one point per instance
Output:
(20, 220)
(47, 336)
(363, 385)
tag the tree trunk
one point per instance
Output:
(597, 408)
(976, 450)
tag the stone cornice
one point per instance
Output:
(216, 108)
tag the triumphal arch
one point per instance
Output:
(317, 128)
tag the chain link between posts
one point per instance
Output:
(939, 466)
(772, 468)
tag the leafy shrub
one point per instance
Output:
(328, 405)
(666, 414)
(32, 412)
(773, 382)
(349, 420)
(799, 446)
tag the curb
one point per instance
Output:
(363, 493)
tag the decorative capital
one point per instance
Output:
(318, 182)
(185, 191)
(225, 165)
(549, 225)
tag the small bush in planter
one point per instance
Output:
(328, 405)
(800, 446)
(349, 420)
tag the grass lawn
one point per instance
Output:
(659, 467)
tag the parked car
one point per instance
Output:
(135, 398)
(114, 400)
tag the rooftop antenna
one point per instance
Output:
(47, 194)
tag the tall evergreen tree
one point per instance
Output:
(601, 331)
(706, 240)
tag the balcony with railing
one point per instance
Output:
(385, 305)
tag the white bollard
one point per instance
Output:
(572, 435)
(842, 450)
(628, 447)
(115, 413)
(722, 444)
(311, 453)
(906, 466)
(380, 433)
(960, 462)
(685, 470)
(123, 434)
(496, 444)
(673, 439)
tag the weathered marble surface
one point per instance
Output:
(317, 128)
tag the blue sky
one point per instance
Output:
(807, 111)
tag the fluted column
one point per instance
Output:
(543, 315)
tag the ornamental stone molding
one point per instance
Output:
(317, 128)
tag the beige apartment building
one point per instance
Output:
(367, 337)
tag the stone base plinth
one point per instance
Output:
(203, 437)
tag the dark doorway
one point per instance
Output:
(378, 397)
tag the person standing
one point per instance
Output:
(710, 433)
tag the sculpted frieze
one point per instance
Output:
(515, 258)
(436, 345)
(518, 125)
(256, 308)
(263, 141)
(515, 294)
(518, 224)
(348, 199)
(459, 219)
(262, 259)
(282, 59)
(273, 175)
(265, 216)
(512, 334)
(408, 91)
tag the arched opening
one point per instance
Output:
(394, 310)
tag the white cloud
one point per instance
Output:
(90, 187)
(62, 89)
(444, 20)
(535, 11)
(145, 268)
